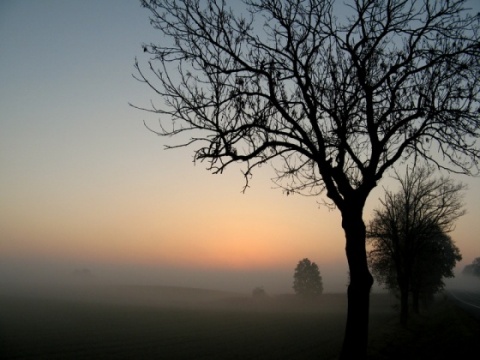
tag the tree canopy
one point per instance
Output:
(335, 102)
(307, 281)
(435, 262)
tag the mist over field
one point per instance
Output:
(50, 309)
(84, 318)
(463, 282)
(36, 273)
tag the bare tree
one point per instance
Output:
(411, 251)
(331, 102)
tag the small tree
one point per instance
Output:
(307, 281)
(473, 269)
(410, 249)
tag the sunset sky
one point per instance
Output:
(83, 184)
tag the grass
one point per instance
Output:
(66, 329)
(161, 323)
(442, 331)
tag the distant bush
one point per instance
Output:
(259, 292)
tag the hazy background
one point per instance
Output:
(83, 184)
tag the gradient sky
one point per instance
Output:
(84, 184)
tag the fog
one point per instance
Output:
(94, 310)
(102, 313)
(463, 282)
(34, 274)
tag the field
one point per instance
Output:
(175, 323)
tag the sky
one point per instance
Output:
(83, 183)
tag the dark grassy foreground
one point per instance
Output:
(170, 323)
(443, 331)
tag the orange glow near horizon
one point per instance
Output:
(248, 234)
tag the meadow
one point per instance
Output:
(175, 323)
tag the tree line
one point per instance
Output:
(411, 251)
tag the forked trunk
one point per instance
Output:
(356, 333)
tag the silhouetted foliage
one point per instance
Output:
(435, 262)
(411, 252)
(307, 281)
(331, 102)
(473, 268)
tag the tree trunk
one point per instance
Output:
(416, 301)
(356, 333)
(404, 303)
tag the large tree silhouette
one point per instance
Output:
(331, 102)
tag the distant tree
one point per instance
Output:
(307, 281)
(473, 269)
(332, 102)
(411, 252)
